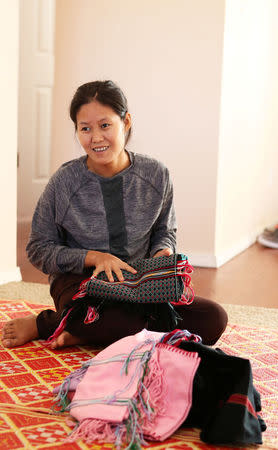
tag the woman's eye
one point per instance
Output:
(86, 129)
(105, 125)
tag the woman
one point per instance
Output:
(99, 213)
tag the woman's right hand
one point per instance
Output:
(105, 262)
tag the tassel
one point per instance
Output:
(93, 430)
(188, 294)
(187, 297)
(152, 397)
(61, 400)
(183, 270)
(175, 317)
(175, 337)
(92, 315)
(60, 328)
(82, 290)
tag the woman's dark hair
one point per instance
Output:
(105, 92)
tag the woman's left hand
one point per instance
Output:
(164, 252)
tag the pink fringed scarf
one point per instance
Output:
(136, 388)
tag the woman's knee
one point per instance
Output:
(204, 317)
(219, 320)
(63, 288)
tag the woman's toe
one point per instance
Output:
(8, 333)
(7, 342)
(61, 341)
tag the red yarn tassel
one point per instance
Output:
(92, 315)
(60, 328)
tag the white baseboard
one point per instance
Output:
(10, 275)
(198, 260)
(215, 261)
(242, 245)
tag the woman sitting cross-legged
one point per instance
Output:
(102, 212)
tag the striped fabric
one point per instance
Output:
(158, 280)
(165, 279)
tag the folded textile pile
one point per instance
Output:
(147, 385)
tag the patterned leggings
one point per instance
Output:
(203, 317)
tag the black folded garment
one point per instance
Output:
(225, 402)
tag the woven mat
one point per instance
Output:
(29, 373)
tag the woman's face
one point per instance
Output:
(102, 133)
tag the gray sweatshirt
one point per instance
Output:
(130, 215)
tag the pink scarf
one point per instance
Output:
(134, 389)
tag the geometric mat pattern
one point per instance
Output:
(30, 372)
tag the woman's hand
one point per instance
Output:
(164, 252)
(105, 262)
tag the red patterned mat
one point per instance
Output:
(29, 373)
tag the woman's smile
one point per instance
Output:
(100, 149)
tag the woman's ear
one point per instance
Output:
(127, 122)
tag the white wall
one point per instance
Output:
(247, 187)
(8, 128)
(167, 57)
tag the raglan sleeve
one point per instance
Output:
(165, 228)
(47, 249)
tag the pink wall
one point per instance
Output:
(167, 57)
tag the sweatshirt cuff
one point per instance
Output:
(159, 247)
(71, 260)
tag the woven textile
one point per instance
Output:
(29, 373)
(165, 279)
(158, 280)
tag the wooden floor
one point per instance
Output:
(250, 278)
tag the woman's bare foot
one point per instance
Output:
(19, 331)
(66, 340)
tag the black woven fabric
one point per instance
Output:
(156, 281)
(158, 284)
